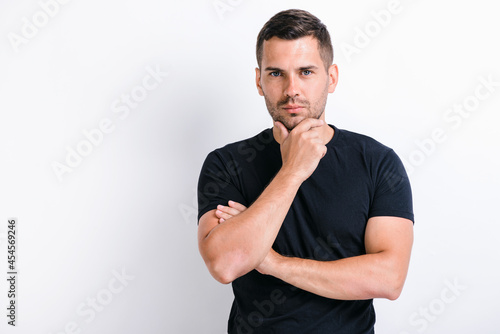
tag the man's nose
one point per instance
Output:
(292, 88)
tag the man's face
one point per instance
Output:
(293, 80)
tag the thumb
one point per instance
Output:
(282, 130)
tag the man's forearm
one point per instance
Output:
(355, 278)
(240, 243)
(380, 273)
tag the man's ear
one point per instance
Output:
(333, 77)
(257, 81)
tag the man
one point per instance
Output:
(308, 222)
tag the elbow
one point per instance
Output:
(394, 287)
(221, 274)
(391, 279)
(226, 264)
(222, 279)
(225, 269)
(393, 294)
(387, 284)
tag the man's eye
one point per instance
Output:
(275, 74)
(306, 72)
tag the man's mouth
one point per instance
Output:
(293, 108)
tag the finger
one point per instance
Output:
(237, 206)
(228, 210)
(307, 124)
(324, 152)
(282, 130)
(312, 134)
(218, 213)
(221, 214)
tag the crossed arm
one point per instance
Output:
(380, 273)
(234, 240)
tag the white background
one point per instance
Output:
(129, 205)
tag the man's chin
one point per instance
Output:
(290, 122)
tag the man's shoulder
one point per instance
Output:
(360, 142)
(264, 137)
(251, 146)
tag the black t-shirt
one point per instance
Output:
(358, 178)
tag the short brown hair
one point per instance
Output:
(294, 24)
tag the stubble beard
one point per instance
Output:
(290, 121)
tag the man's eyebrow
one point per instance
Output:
(273, 69)
(303, 68)
(309, 67)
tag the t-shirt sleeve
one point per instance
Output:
(392, 195)
(218, 183)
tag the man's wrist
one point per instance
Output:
(291, 176)
(279, 266)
